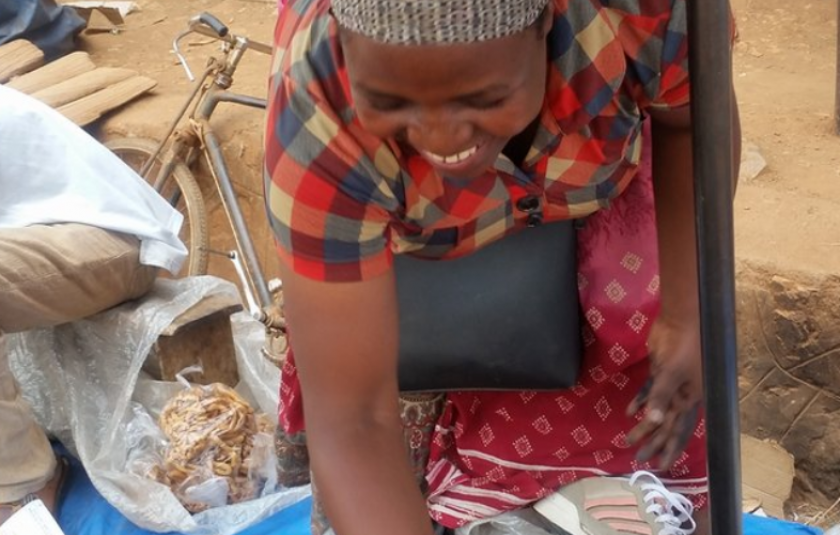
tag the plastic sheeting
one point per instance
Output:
(84, 383)
(527, 522)
(523, 522)
(49, 26)
(84, 512)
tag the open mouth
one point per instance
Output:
(463, 164)
(452, 159)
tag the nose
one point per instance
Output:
(440, 131)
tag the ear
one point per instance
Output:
(548, 18)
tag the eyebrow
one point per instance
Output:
(490, 91)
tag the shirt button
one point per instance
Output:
(529, 203)
(534, 220)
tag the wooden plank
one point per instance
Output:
(200, 335)
(207, 306)
(82, 85)
(93, 106)
(18, 57)
(767, 472)
(53, 73)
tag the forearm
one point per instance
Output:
(364, 479)
(673, 178)
(674, 193)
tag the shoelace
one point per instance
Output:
(673, 510)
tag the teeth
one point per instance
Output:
(454, 158)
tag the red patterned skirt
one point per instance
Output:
(491, 452)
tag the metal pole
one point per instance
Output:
(711, 109)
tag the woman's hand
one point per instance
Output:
(672, 396)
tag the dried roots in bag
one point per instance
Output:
(210, 460)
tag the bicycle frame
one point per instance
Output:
(211, 89)
(253, 273)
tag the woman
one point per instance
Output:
(432, 127)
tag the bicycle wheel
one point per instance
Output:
(182, 192)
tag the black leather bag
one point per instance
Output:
(506, 317)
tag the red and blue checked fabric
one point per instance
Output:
(342, 202)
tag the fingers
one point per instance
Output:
(679, 439)
(659, 438)
(643, 429)
(640, 399)
(665, 433)
(668, 440)
(663, 392)
(655, 415)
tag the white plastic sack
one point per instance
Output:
(83, 381)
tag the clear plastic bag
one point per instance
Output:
(85, 385)
(260, 378)
(522, 522)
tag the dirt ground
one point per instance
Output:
(785, 80)
(787, 218)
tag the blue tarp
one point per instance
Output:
(85, 512)
(49, 26)
(756, 525)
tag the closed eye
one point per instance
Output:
(485, 104)
(381, 103)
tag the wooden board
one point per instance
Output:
(72, 84)
(93, 106)
(201, 335)
(82, 85)
(58, 71)
(767, 472)
(18, 57)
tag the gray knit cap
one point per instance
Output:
(422, 22)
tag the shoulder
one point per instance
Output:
(637, 48)
(307, 57)
(651, 31)
(642, 8)
(636, 25)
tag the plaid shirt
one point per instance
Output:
(342, 201)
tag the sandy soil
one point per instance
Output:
(785, 80)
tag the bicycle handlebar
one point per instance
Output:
(207, 24)
(218, 27)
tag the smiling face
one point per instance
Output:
(456, 105)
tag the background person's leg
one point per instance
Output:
(49, 275)
(53, 274)
(26, 459)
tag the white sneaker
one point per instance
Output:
(638, 505)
